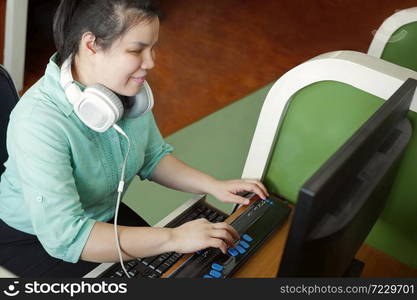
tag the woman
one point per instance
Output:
(60, 186)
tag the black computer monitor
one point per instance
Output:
(338, 206)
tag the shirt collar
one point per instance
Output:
(52, 86)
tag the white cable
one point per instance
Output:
(119, 196)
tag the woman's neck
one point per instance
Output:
(81, 71)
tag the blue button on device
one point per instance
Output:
(240, 249)
(215, 274)
(244, 244)
(233, 252)
(207, 276)
(247, 238)
(217, 267)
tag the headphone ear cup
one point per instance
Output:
(99, 108)
(110, 97)
(142, 102)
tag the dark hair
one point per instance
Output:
(106, 19)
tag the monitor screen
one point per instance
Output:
(338, 206)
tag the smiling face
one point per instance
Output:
(124, 66)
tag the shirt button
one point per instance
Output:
(39, 198)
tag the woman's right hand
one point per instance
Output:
(201, 234)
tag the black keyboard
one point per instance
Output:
(155, 266)
(254, 225)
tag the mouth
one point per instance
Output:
(138, 80)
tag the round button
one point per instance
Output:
(39, 198)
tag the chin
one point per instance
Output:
(134, 91)
(130, 92)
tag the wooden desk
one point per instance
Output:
(264, 262)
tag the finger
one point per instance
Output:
(224, 235)
(217, 243)
(238, 200)
(199, 220)
(230, 229)
(259, 184)
(251, 187)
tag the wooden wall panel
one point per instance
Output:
(215, 52)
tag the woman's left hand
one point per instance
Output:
(226, 191)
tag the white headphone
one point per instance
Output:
(97, 106)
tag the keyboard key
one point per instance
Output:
(140, 269)
(194, 215)
(247, 238)
(199, 209)
(207, 212)
(133, 272)
(153, 275)
(220, 219)
(166, 255)
(172, 260)
(217, 267)
(162, 268)
(147, 260)
(120, 273)
(233, 252)
(176, 255)
(148, 272)
(132, 263)
(160, 259)
(244, 244)
(212, 216)
(207, 276)
(215, 274)
(189, 218)
(240, 249)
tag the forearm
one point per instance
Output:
(175, 174)
(134, 242)
(148, 241)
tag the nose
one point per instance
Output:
(148, 61)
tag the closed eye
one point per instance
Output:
(139, 51)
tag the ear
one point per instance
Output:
(88, 43)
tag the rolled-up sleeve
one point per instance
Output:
(43, 162)
(155, 150)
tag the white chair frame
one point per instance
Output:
(385, 33)
(367, 73)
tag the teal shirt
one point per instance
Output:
(61, 177)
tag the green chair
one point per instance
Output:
(396, 39)
(310, 112)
